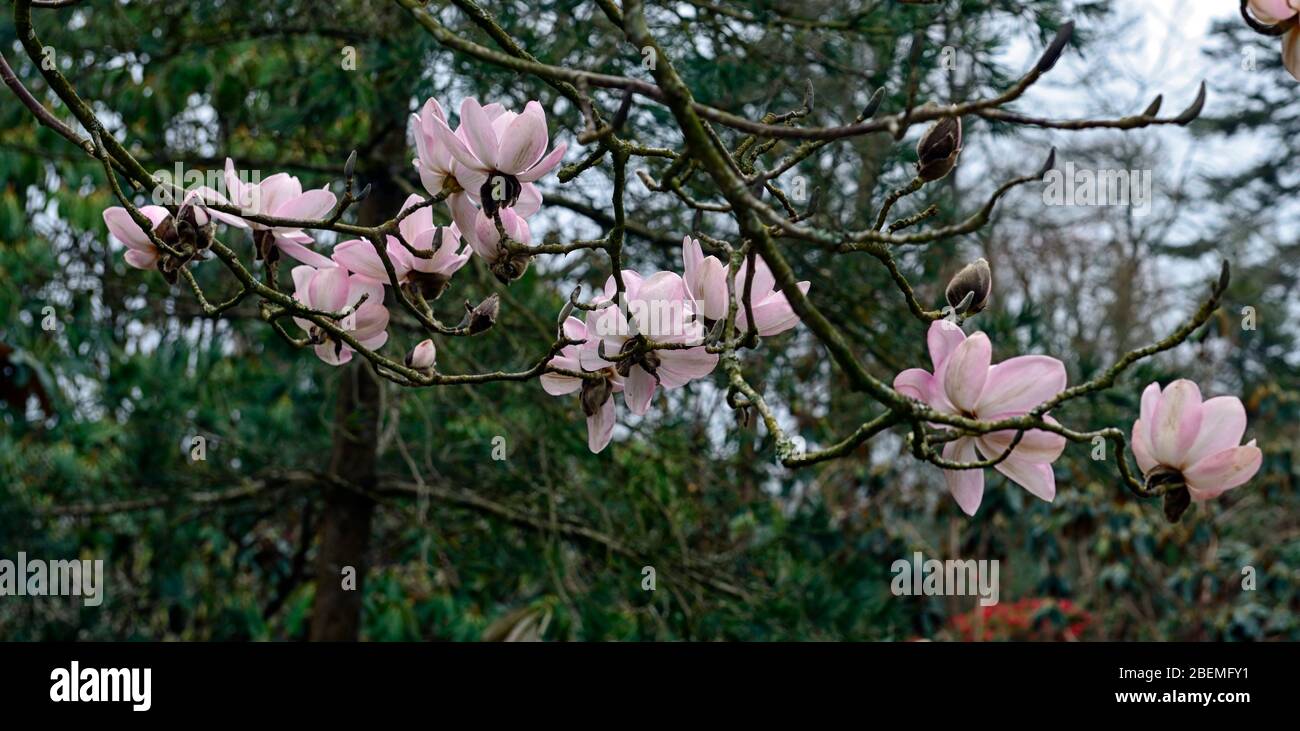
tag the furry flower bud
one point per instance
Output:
(936, 153)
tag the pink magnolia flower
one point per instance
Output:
(596, 398)
(1201, 440)
(966, 383)
(279, 196)
(498, 153)
(421, 232)
(658, 308)
(706, 280)
(480, 232)
(140, 251)
(435, 163)
(332, 289)
(359, 255)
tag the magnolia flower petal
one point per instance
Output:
(600, 426)
(943, 338)
(125, 229)
(328, 289)
(311, 206)
(966, 486)
(332, 354)
(639, 390)
(1036, 477)
(1141, 444)
(524, 141)
(478, 132)
(301, 253)
(141, 259)
(1176, 423)
(965, 372)
(1150, 400)
(1222, 471)
(1223, 423)
(914, 383)
(545, 165)
(678, 367)
(774, 316)
(1035, 446)
(1021, 383)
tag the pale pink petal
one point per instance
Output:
(530, 201)
(1035, 446)
(678, 367)
(328, 289)
(1036, 477)
(1019, 384)
(773, 316)
(943, 338)
(558, 384)
(639, 390)
(456, 146)
(914, 383)
(1141, 444)
(545, 165)
(966, 486)
(524, 141)
(274, 192)
(1150, 400)
(478, 132)
(125, 229)
(332, 354)
(310, 206)
(1223, 471)
(600, 426)
(965, 372)
(1176, 423)
(301, 253)
(1223, 423)
(141, 259)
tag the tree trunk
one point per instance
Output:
(346, 518)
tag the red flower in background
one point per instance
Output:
(1039, 619)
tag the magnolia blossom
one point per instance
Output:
(418, 230)
(966, 383)
(332, 289)
(660, 309)
(596, 397)
(435, 163)
(706, 280)
(498, 153)
(480, 232)
(1180, 435)
(279, 196)
(140, 251)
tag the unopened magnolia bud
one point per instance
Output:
(974, 279)
(484, 315)
(936, 153)
(422, 357)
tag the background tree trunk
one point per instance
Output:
(346, 520)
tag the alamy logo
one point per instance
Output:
(921, 577)
(53, 578)
(98, 685)
(1106, 187)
